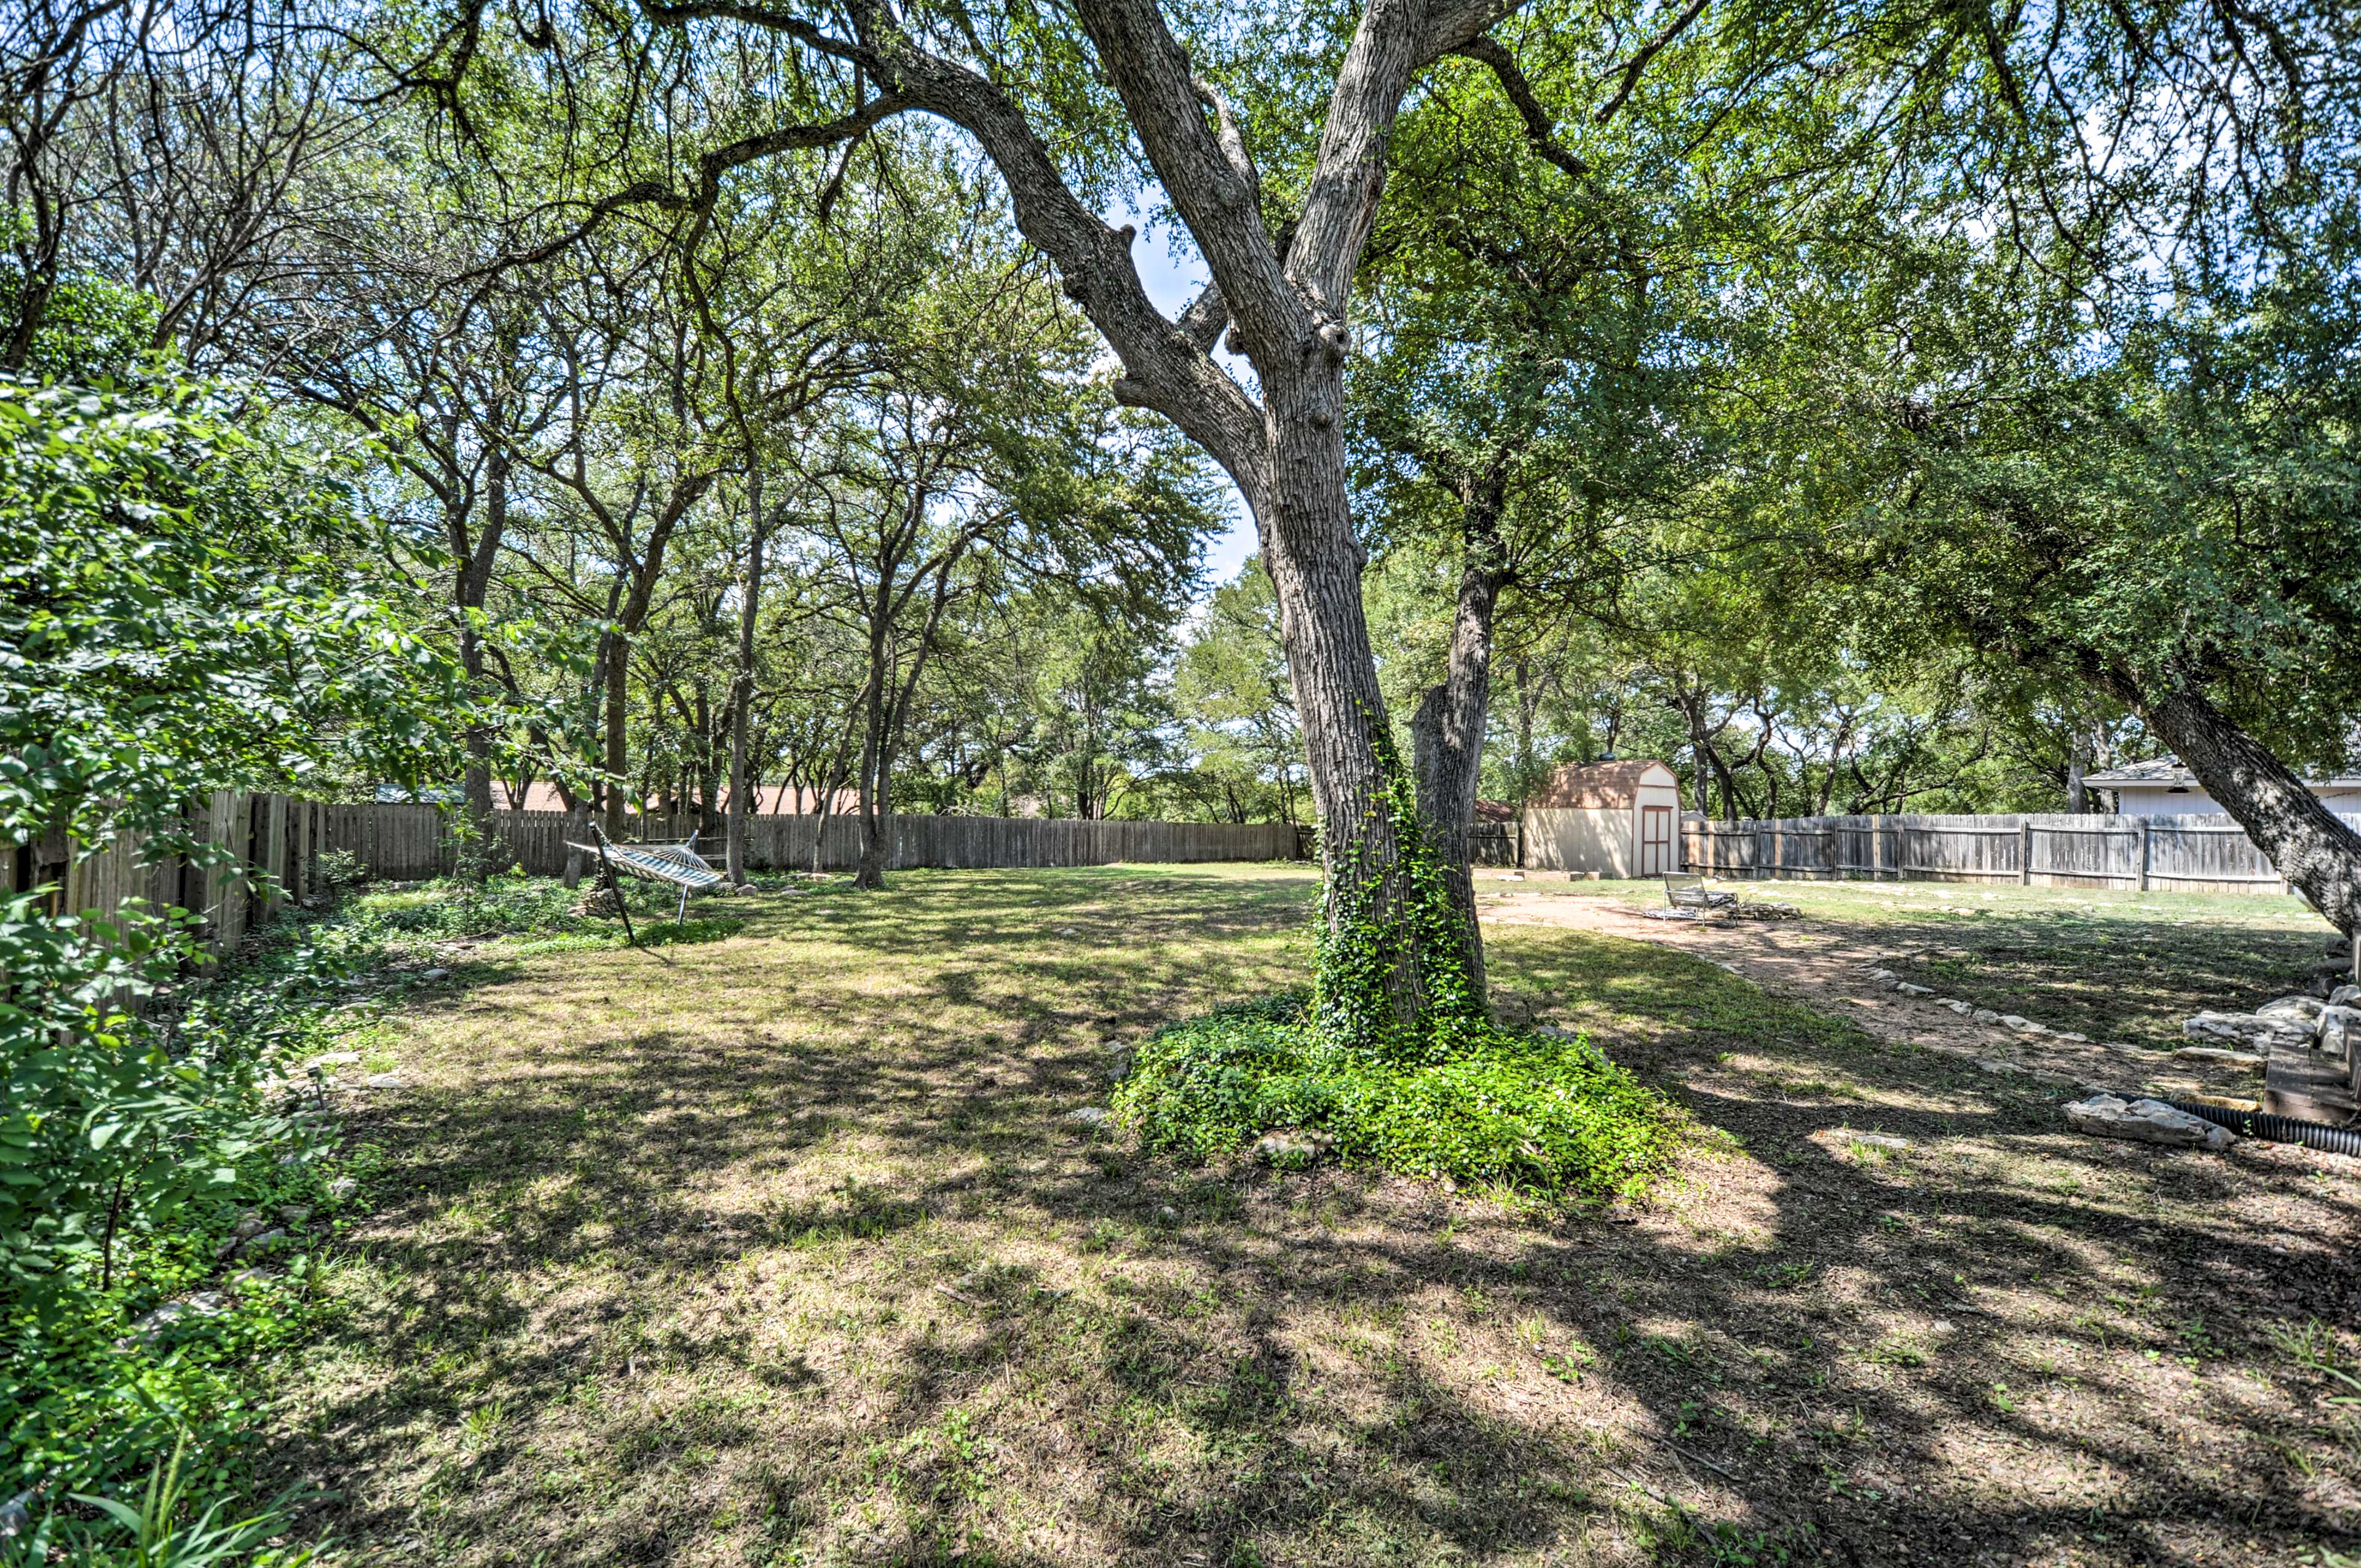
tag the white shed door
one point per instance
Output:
(1655, 840)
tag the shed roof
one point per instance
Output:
(1581, 784)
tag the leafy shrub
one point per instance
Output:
(91, 1387)
(178, 615)
(1538, 1115)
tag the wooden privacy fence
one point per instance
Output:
(249, 834)
(285, 837)
(537, 840)
(2185, 853)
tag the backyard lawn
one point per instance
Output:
(785, 1246)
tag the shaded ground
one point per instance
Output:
(2115, 966)
(780, 1249)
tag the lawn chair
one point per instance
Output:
(677, 864)
(1685, 891)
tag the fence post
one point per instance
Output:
(2024, 852)
(2146, 852)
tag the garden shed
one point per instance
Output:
(1607, 820)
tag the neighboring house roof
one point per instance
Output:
(770, 800)
(1496, 811)
(2167, 773)
(1592, 784)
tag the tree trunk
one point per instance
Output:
(869, 871)
(1315, 565)
(578, 829)
(2308, 844)
(618, 652)
(1447, 738)
(706, 757)
(483, 854)
(742, 697)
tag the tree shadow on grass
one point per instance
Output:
(841, 1280)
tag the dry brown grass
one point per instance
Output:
(782, 1250)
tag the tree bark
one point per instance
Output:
(2308, 844)
(1447, 732)
(472, 590)
(619, 649)
(742, 692)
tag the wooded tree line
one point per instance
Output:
(1853, 402)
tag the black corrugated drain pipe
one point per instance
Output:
(2277, 1129)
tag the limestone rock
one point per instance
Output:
(1985, 1015)
(2250, 1030)
(2345, 996)
(2022, 1024)
(2340, 1030)
(2148, 1122)
(1090, 1116)
(1908, 989)
(1955, 1004)
(2301, 1011)
(435, 974)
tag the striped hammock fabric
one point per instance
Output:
(678, 864)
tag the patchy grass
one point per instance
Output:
(782, 1248)
(2117, 966)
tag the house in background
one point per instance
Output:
(2165, 788)
(770, 800)
(1607, 820)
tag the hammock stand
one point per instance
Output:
(674, 865)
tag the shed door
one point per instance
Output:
(1655, 840)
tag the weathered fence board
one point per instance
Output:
(2190, 853)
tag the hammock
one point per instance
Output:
(677, 864)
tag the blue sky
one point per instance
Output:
(1171, 282)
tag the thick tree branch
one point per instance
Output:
(1539, 130)
(1203, 322)
(1395, 39)
(1165, 370)
(1210, 181)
